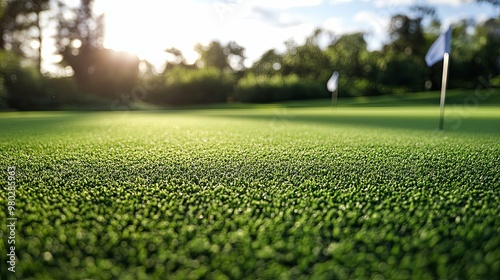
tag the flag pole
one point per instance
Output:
(332, 86)
(334, 99)
(443, 89)
(331, 103)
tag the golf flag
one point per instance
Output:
(332, 85)
(333, 82)
(439, 47)
(440, 50)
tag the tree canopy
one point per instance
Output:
(220, 73)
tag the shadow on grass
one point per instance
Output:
(43, 122)
(483, 97)
(428, 122)
(418, 112)
(467, 111)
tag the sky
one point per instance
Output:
(148, 27)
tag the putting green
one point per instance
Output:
(269, 192)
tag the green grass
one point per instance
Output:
(270, 192)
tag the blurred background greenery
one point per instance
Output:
(100, 78)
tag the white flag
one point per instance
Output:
(438, 48)
(333, 82)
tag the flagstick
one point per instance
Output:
(331, 102)
(336, 96)
(443, 89)
(334, 99)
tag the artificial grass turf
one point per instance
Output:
(354, 193)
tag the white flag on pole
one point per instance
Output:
(439, 47)
(333, 82)
(438, 51)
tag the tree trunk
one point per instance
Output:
(40, 40)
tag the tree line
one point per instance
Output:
(100, 76)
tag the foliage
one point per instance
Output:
(301, 71)
(4, 94)
(79, 28)
(407, 31)
(244, 194)
(193, 86)
(269, 64)
(345, 54)
(23, 88)
(21, 85)
(404, 72)
(495, 82)
(20, 25)
(358, 87)
(472, 55)
(308, 61)
(176, 59)
(228, 57)
(97, 70)
(263, 89)
(113, 73)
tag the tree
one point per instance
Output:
(487, 35)
(20, 25)
(79, 34)
(269, 64)
(212, 55)
(307, 61)
(177, 56)
(345, 54)
(464, 49)
(236, 56)
(406, 35)
(402, 63)
(421, 12)
(80, 43)
(228, 57)
(36, 8)
(175, 60)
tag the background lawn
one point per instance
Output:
(274, 191)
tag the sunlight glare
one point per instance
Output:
(146, 28)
